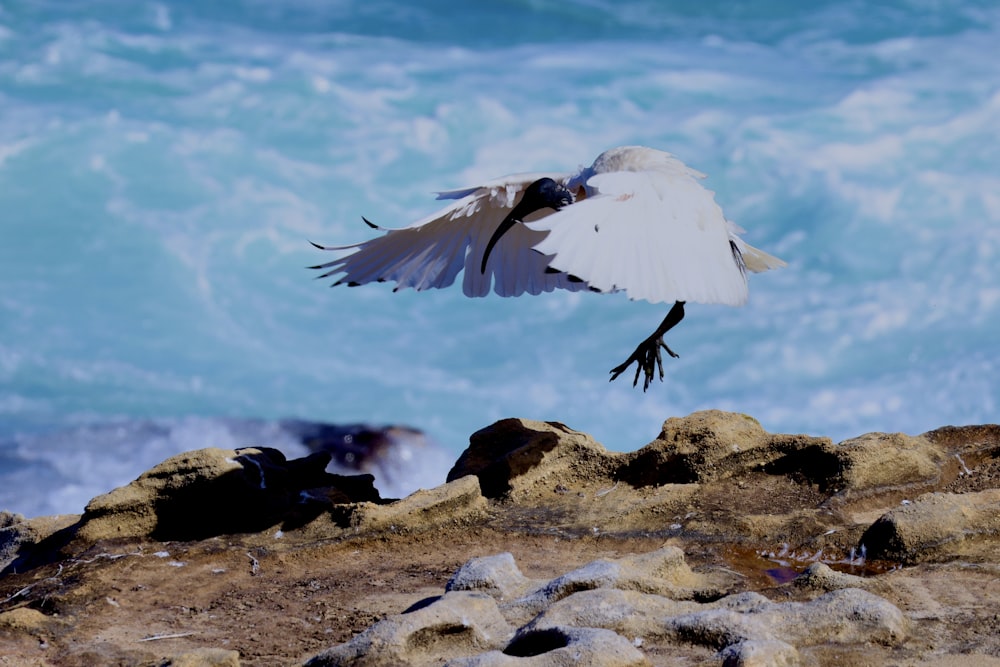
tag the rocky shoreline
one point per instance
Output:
(716, 544)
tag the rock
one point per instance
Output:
(663, 572)
(598, 612)
(513, 457)
(760, 653)
(935, 526)
(844, 616)
(709, 445)
(588, 555)
(392, 641)
(629, 613)
(218, 491)
(13, 534)
(888, 461)
(8, 519)
(577, 484)
(457, 624)
(456, 502)
(971, 446)
(204, 657)
(561, 647)
(498, 576)
(30, 621)
(20, 536)
(821, 577)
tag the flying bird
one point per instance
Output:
(636, 221)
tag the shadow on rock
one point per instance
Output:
(206, 493)
(212, 492)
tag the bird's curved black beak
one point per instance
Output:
(507, 223)
(543, 193)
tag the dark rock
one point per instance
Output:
(216, 491)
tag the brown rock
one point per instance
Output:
(514, 456)
(563, 615)
(760, 653)
(663, 572)
(278, 560)
(561, 647)
(24, 619)
(821, 577)
(709, 445)
(19, 535)
(204, 657)
(629, 613)
(221, 491)
(456, 624)
(844, 616)
(498, 576)
(935, 526)
(454, 502)
(849, 616)
(888, 461)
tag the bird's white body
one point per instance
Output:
(642, 224)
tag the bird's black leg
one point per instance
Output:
(647, 355)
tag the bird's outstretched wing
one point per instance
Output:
(432, 251)
(657, 234)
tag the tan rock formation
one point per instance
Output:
(716, 543)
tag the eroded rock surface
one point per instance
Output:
(457, 623)
(602, 611)
(936, 526)
(212, 492)
(720, 475)
(716, 543)
(663, 572)
(560, 647)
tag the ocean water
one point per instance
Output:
(163, 166)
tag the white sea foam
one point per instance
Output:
(162, 168)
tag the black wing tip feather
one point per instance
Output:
(326, 266)
(738, 257)
(367, 222)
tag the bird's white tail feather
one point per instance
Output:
(757, 260)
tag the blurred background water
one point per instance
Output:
(163, 166)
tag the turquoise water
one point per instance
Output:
(164, 165)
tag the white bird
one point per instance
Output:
(637, 220)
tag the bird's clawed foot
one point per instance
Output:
(647, 358)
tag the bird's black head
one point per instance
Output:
(547, 193)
